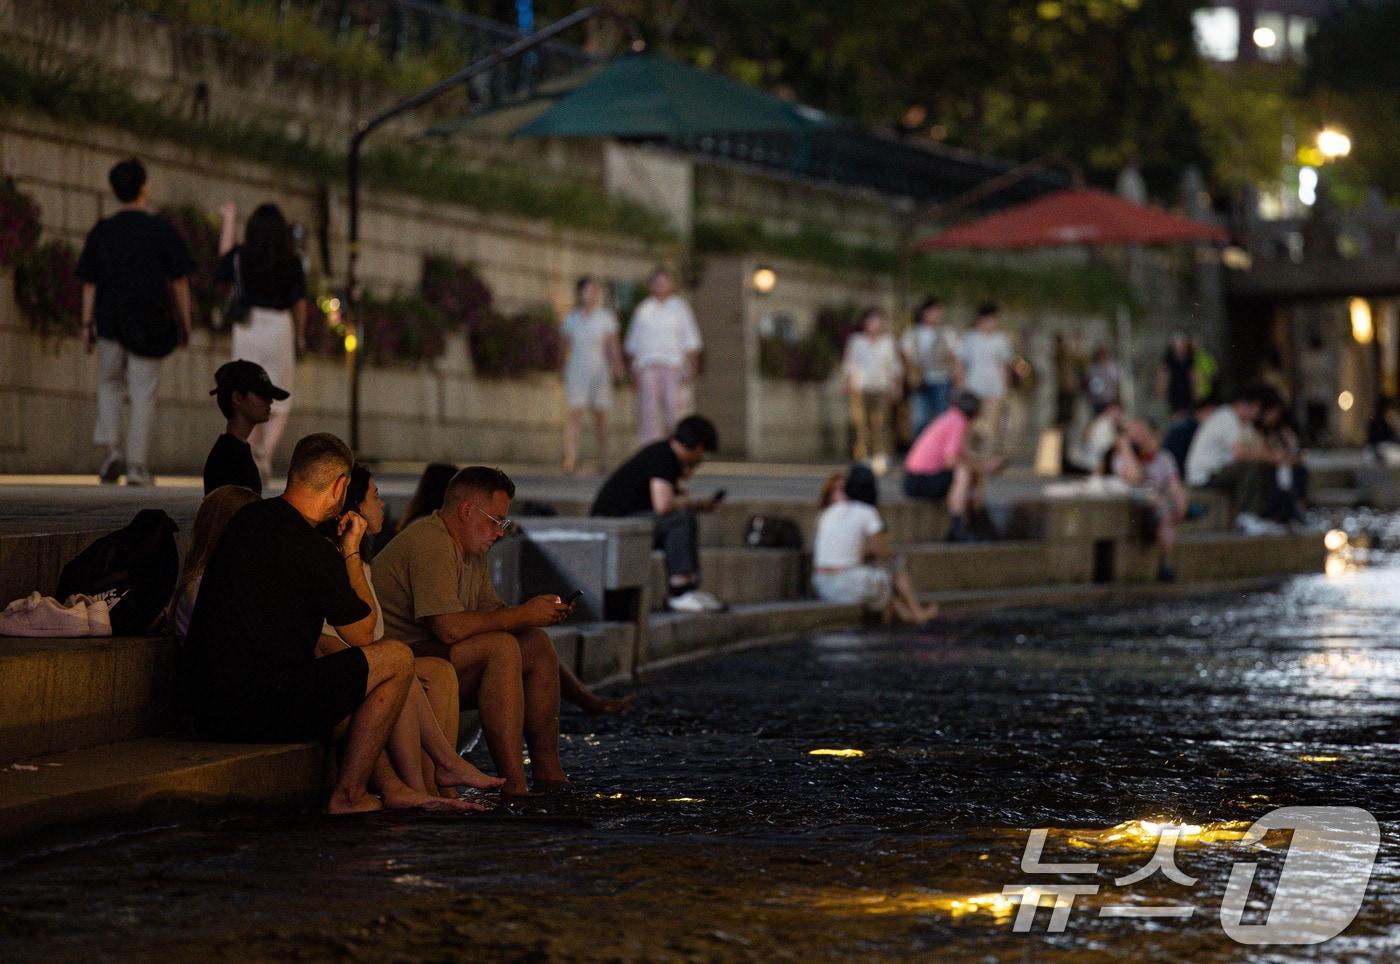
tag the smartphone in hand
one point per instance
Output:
(574, 597)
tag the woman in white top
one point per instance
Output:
(870, 376)
(851, 557)
(592, 362)
(422, 744)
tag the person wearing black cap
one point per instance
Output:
(245, 395)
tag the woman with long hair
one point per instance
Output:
(210, 521)
(269, 274)
(422, 744)
(427, 497)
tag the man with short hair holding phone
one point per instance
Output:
(652, 483)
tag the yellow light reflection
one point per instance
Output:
(1146, 833)
(1334, 540)
(846, 754)
(351, 344)
(1319, 758)
(1345, 401)
(1361, 327)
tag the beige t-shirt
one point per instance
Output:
(422, 573)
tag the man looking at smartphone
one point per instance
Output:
(652, 483)
(434, 583)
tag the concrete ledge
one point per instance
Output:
(995, 565)
(686, 635)
(65, 694)
(30, 561)
(1204, 556)
(741, 575)
(124, 778)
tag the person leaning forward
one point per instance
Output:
(434, 583)
(249, 669)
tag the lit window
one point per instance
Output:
(1299, 30)
(1217, 33)
(1269, 32)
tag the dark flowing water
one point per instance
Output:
(704, 828)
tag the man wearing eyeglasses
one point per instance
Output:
(434, 585)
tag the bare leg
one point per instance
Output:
(441, 764)
(572, 688)
(571, 433)
(400, 796)
(540, 672)
(488, 667)
(906, 602)
(600, 425)
(390, 674)
(960, 492)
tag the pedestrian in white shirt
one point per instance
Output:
(1227, 454)
(663, 347)
(930, 349)
(985, 359)
(870, 375)
(592, 361)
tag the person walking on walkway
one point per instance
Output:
(930, 354)
(592, 361)
(271, 284)
(986, 372)
(870, 375)
(663, 347)
(133, 266)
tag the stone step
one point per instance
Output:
(740, 575)
(1226, 555)
(130, 778)
(674, 636)
(65, 694)
(942, 567)
(31, 561)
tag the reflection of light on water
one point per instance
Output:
(1146, 833)
(623, 796)
(999, 906)
(1318, 758)
(845, 754)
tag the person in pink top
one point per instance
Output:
(939, 465)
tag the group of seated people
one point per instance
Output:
(287, 635)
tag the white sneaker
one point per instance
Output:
(139, 475)
(687, 602)
(710, 603)
(37, 615)
(99, 615)
(1251, 525)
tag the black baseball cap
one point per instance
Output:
(245, 376)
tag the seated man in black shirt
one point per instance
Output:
(651, 483)
(245, 395)
(249, 666)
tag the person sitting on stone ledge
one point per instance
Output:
(435, 583)
(651, 484)
(1140, 461)
(1228, 454)
(851, 557)
(245, 394)
(940, 465)
(423, 744)
(210, 521)
(249, 668)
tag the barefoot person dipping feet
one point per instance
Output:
(435, 583)
(422, 745)
(249, 666)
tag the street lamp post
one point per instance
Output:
(357, 140)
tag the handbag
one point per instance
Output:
(236, 305)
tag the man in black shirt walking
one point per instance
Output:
(245, 395)
(132, 265)
(249, 667)
(652, 483)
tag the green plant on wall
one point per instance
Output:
(19, 222)
(47, 289)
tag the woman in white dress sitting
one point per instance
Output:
(852, 561)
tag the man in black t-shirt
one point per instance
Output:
(245, 395)
(132, 265)
(249, 667)
(652, 483)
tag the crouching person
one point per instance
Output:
(249, 664)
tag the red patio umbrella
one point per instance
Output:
(1077, 215)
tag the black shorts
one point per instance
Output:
(933, 486)
(300, 703)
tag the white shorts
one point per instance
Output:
(268, 339)
(588, 388)
(870, 586)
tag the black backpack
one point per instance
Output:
(134, 569)
(773, 532)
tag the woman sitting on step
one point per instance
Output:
(209, 522)
(851, 557)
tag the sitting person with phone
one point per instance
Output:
(434, 583)
(652, 483)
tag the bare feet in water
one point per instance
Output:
(342, 803)
(601, 706)
(463, 774)
(410, 799)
